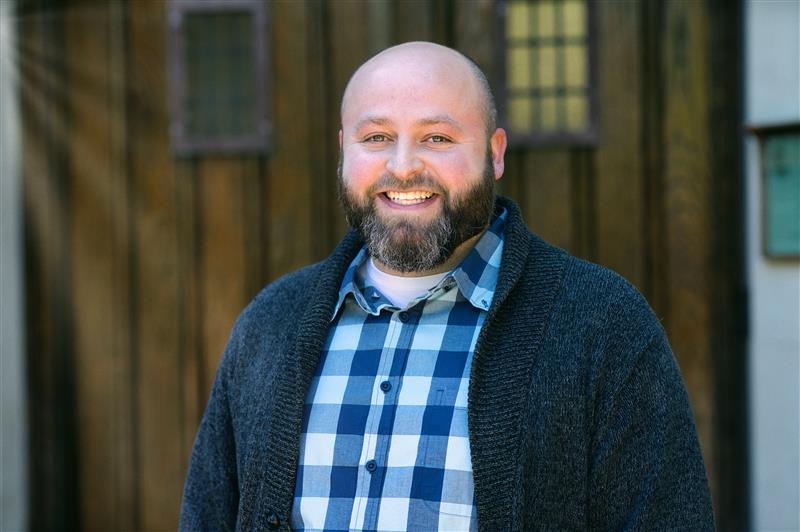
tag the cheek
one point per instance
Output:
(460, 172)
(360, 171)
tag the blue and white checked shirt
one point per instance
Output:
(384, 441)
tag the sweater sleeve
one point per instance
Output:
(211, 494)
(647, 470)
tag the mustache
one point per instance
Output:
(420, 181)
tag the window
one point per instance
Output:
(546, 89)
(218, 82)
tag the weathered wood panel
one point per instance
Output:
(222, 254)
(546, 195)
(194, 382)
(687, 204)
(473, 32)
(290, 220)
(321, 134)
(123, 426)
(99, 236)
(49, 340)
(156, 263)
(413, 20)
(619, 201)
(584, 204)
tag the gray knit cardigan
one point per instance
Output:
(578, 415)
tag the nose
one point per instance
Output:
(404, 162)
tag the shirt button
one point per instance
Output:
(273, 522)
(404, 316)
(386, 386)
(372, 465)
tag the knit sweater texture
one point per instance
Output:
(578, 415)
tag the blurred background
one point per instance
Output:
(163, 160)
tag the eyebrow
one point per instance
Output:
(440, 119)
(431, 121)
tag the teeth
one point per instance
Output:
(408, 198)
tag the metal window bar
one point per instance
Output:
(561, 111)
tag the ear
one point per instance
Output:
(340, 139)
(498, 143)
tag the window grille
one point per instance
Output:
(547, 74)
(218, 80)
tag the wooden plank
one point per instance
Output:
(99, 257)
(620, 222)
(687, 201)
(253, 175)
(547, 202)
(193, 381)
(584, 205)
(655, 264)
(511, 184)
(380, 35)
(323, 143)
(156, 308)
(412, 20)
(290, 221)
(45, 122)
(123, 426)
(473, 29)
(222, 253)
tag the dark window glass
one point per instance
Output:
(220, 82)
(218, 76)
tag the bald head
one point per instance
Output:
(429, 61)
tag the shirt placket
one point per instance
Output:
(402, 327)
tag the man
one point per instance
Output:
(443, 369)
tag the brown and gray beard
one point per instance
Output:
(405, 245)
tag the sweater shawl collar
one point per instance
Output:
(499, 382)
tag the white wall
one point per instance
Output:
(13, 455)
(772, 88)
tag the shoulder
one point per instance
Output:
(268, 324)
(621, 331)
(611, 302)
(284, 296)
(602, 292)
(596, 316)
(581, 298)
(281, 302)
(583, 291)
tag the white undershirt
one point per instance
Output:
(400, 290)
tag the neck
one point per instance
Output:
(452, 261)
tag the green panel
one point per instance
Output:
(782, 169)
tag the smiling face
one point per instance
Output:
(417, 166)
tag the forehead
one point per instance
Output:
(409, 87)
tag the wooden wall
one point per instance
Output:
(139, 262)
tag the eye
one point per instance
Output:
(438, 139)
(378, 137)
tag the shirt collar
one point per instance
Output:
(476, 275)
